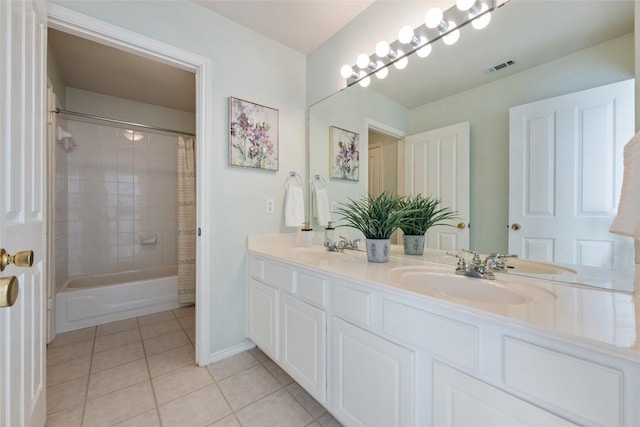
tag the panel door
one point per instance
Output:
(372, 379)
(375, 170)
(23, 43)
(263, 310)
(436, 163)
(303, 332)
(565, 176)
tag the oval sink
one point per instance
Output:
(536, 267)
(432, 280)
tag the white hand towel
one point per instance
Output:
(294, 207)
(627, 222)
(322, 205)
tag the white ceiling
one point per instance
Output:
(529, 32)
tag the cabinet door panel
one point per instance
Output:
(262, 317)
(303, 338)
(373, 379)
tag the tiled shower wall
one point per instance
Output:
(121, 189)
(61, 210)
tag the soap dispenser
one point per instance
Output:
(330, 232)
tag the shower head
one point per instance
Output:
(62, 134)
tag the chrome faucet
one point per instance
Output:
(498, 261)
(474, 268)
(341, 244)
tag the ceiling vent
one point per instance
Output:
(500, 66)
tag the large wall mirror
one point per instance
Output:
(557, 48)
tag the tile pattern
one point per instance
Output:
(140, 372)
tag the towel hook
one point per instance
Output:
(318, 179)
(293, 176)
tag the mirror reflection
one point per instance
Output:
(500, 157)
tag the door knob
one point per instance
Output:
(8, 291)
(20, 259)
(461, 225)
(515, 226)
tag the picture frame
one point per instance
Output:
(253, 135)
(344, 154)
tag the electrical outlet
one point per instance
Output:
(334, 206)
(269, 206)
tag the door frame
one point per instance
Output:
(72, 22)
(380, 127)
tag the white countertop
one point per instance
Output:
(602, 318)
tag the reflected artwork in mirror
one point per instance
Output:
(577, 49)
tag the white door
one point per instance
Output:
(375, 169)
(23, 210)
(565, 176)
(437, 164)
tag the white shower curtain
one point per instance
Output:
(186, 220)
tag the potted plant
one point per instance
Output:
(421, 213)
(377, 217)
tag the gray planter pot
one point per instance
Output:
(414, 245)
(378, 250)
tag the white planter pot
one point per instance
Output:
(378, 250)
(414, 244)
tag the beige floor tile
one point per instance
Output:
(69, 352)
(230, 421)
(189, 310)
(117, 356)
(187, 321)
(165, 342)
(314, 424)
(147, 419)
(118, 339)
(116, 378)
(160, 328)
(66, 395)
(200, 408)
(69, 370)
(171, 360)
(278, 409)
(283, 378)
(119, 406)
(119, 326)
(71, 417)
(248, 386)
(180, 382)
(327, 420)
(259, 355)
(191, 333)
(306, 400)
(232, 365)
(150, 319)
(73, 337)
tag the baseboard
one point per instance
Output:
(247, 344)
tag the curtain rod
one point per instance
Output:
(122, 122)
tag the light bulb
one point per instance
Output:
(382, 71)
(363, 60)
(425, 51)
(433, 18)
(405, 35)
(346, 71)
(453, 36)
(483, 21)
(365, 82)
(401, 63)
(465, 4)
(382, 49)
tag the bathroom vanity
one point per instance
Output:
(409, 343)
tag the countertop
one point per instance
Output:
(605, 319)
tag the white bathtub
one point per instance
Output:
(94, 300)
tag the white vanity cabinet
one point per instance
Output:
(262, 308)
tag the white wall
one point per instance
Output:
(487, 109)
(248, 66)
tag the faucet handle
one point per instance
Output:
(496, 255)
(462, 265)
(476, 256)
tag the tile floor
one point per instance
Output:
(140, 372)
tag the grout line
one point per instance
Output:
(86, 392)
(146, 362)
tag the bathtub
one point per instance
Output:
(93, 300)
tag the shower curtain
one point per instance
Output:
(186, 220)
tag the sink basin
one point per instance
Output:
(433, 280)
(536, 267)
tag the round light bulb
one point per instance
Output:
(401, 64)
(382, 49)
(346, 71)
(465, 4)
(425, 51)
(483, 21)
(453, 36)
(365, 82)
(382, 71)
(433, 18)
(405, 35)
(363, 60)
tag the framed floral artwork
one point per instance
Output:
(253, 135)
(344, 154)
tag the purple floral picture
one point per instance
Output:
(253, 135)
(345, 154)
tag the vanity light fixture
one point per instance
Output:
(438, 24)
